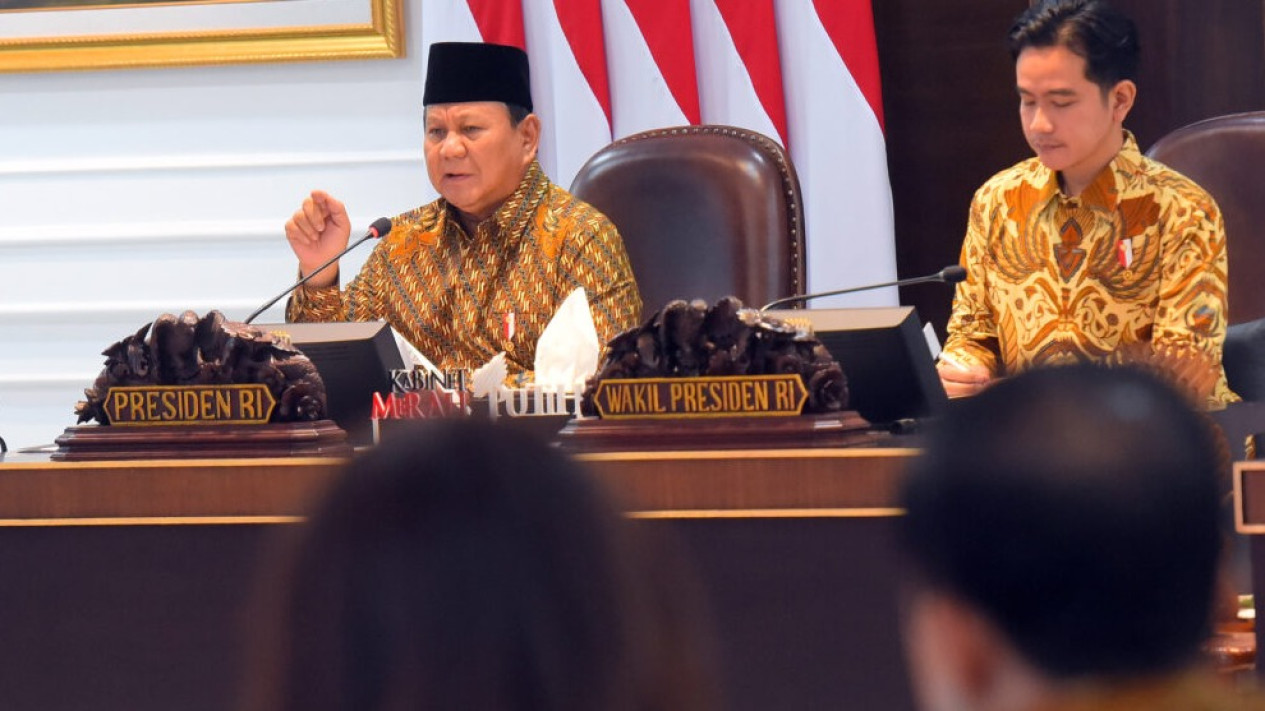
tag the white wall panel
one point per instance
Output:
(126, 194)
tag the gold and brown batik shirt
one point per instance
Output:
(1138, 257)
(461, 298)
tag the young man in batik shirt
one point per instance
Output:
(1088, 251)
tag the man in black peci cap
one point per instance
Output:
(482, 269)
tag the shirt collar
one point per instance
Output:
(1104, 192)
(1181, 690)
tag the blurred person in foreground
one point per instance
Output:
(1088, 249)
(471, 566)
(483, 268)
(1064, 533)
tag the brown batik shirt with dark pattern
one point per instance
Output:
(1138, 257)
(461, 299)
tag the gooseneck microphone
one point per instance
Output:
(951, 274)
(377, 230)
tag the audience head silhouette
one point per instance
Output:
(1063, 526)
(471, 566)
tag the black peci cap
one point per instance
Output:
(457, 72)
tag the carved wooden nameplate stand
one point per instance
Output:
(735, 412)
(836, 429)
(194, 388)
(196, 422)
(322, 438)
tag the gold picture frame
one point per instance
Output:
(381, 36)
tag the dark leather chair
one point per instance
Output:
(704, 211)
(1226, 155)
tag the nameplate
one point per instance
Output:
(247, 404)
(730, 396)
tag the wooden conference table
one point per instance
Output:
(1249, 515)
(125, 585)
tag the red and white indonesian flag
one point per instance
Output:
(803, 72)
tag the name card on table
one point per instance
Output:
(247, 404)
(728, 396)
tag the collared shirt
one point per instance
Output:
(1139, 257)
(461, 298)
(1187, 691)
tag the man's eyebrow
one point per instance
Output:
(1052, 92)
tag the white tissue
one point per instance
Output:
(567, 351)
(490, 376)
(412, 357)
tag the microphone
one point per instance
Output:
(377, 230)
(951, 274)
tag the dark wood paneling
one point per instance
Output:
(836, 648)
(951, 122)
(795, 551)
(125, 617)
(1200, 58)
(951, 112)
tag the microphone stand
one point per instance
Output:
(376, 230)
(949, 275)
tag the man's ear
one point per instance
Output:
(529, 132)
(955, 654)
(1121, 98)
